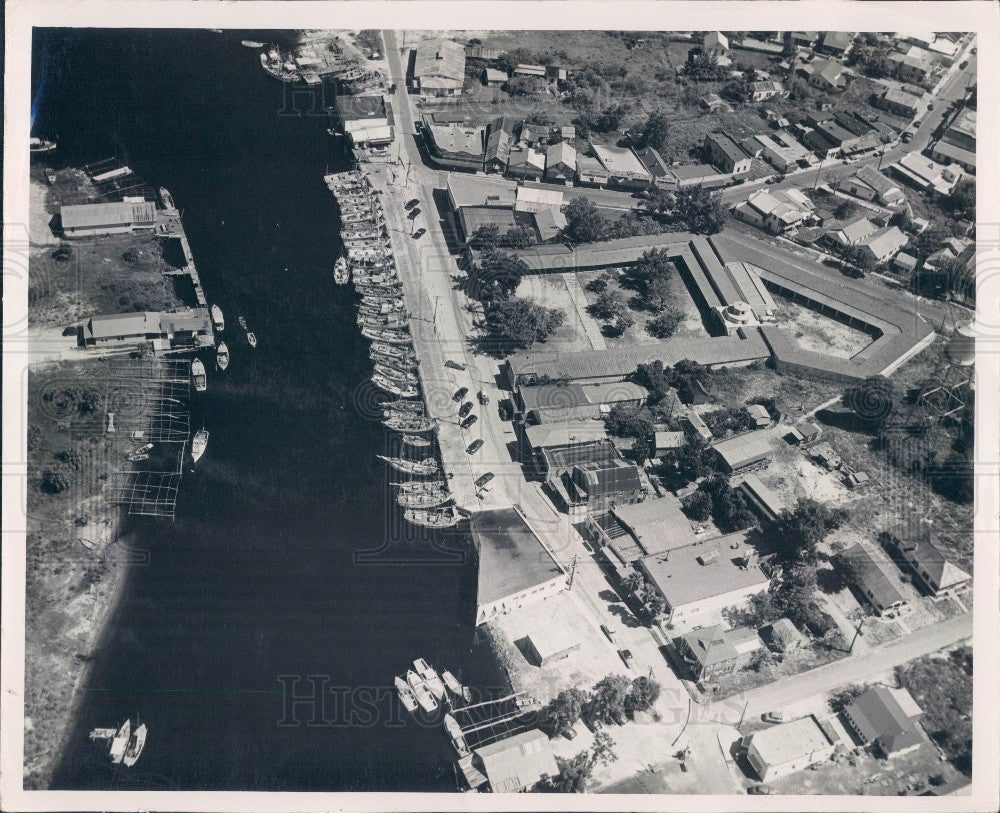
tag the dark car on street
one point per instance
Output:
(419, 233)
(411, 203)
(626, 656)
(465, 409)
(475, 446)
(458, 396)
(480, 482)
(469, 421)
(484, 399)
(456, 365)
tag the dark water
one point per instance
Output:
(258, 579)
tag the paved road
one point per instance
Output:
(853, 669)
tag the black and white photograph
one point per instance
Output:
(406, 408)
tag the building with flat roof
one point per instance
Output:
(726, 154)
(790, 747)
(96, 219)
(873, 578)
(480, 190)
(471, 218)
(517, 763)
(438, 68)
(958, 143)
(547, 403)
(704, 578)
(551, 643)
(886, 718)
(710, 652)
(685, 176)
(515, 568)
(183, 329)
(655, 526)
(623, 166)
(925, 555)
(546, 437)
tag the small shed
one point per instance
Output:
(493, 77)
(761, 417)
(548, 644)
(782, 636)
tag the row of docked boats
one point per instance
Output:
(384, 320)
(423, 688)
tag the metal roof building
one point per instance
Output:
(789, 747)
(94, 219)
(517, 763)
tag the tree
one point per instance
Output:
(796, 533)
(642, 695)
(928, 241)
(608, 304)
(660, 201)
(699, 506)
(655, 378)
(627, 421)
(665, 325)
(602, 749)
(54, 482)
(874, 399)
(611, 117)
(607, 701)
(622, 321)
(901, 220)
(584, 223)
(573, 775)
(843, 209)
(496, 276)
(690, 459)
(518, 237)
(657, 295)
(517, 323)
(485, 237)
(799, 91)
(655, 132)
(562, 712)
(654, 264)
(701, 212)
(962, 200)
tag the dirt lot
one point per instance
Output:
(820, 333)
(795, 394)
(579, 331)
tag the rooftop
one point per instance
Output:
(566, 433)
(922, 545)
(620, 161)
(518, 762)
(565, 396)
(714, 645)
(691, 574)
(730, 148)
(878, 716)
(874, 575)
(352, 108)
(480, 190)
(659, 525)
(511, 557)
(472, 217)
(788, 741)
(440, 58)
(458, 138)
(90, 215)
(744, 449)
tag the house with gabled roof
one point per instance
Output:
(883, 244)
(873, 579)
(852, 233)
(517, 763)
(560, 162)
(712, 651)
(886, 719)
(923, 552)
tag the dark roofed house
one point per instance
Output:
(923, 552)
(654, 164)
(726, 154)
(517, 763)
(471, 218)
(712, 651)
(879, 718)
(601, 486)
(873, 579)
(515, 568)
(835, 43)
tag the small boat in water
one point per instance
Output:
(217, 318)
(421, 486)
(395, 387)
(251, 44)
(429, 499)
(341, 271)
(395, 374)
(452, 683)
(416, 441)
(410, 423)
(430, 677)
(242, 320)
(406, 695)
(396, 350)
(433, 517)
(137, 457)
(416, 407)
(39, 146)
(199, 443)
(137, 743)
(409, 365)
(389, 335)
(198, 377)
(424, 697)
(251, 338)
(222, 356)
(426, 467)
(119, 743)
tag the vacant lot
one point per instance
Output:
(820, 333)
(561, 291)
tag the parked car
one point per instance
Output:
(569, 733)
(411, 203)
(465, 409)
(626, 656)
(419, 233)
(759, 790)
(469, 421)
(414, 212)
(772, 716)
(608, 632)
(505, 411)
(458, 396)
(481, 481)
(475, 446)
(483, 398)
(456, 365)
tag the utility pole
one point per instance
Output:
(857, 633)
(572, 572)
(743, 713)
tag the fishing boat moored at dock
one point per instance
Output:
(406, 695)
(426, 467)
(199, 443)
(430, 678)
(222, 356)
(424, 697)
(198, 377)
(217, 319)
(410, 423)
(433, 517)
(341, 271)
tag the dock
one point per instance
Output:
(170, 227)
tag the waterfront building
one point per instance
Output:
(595, 487)
(551, 448)
(790, 747)
(517, 763)
(184, 329)
(480, 190)
(96, 219)
(515, 568)
(697, 580)
(550, 643)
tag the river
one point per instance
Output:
(288, 557)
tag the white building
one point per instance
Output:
(783, 749)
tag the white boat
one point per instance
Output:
(341, 271)
(416, 440)
(41, 145)
(222, 356)
(428, 499)
(251, 338)
(433, 517)
(135, 747)
(430, 678)
(400, 388)
(426, 467)
(406, 422)
(424, 697)
(243, 322)
(198, 377)
(119, 743)
(252, 44)
(452, 683)
(406, 695)
(135, 458)
(217, 319)
(199, 443)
